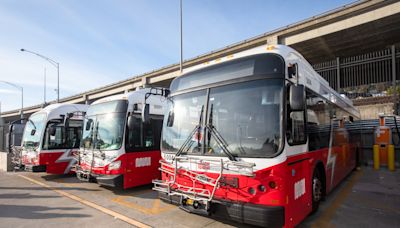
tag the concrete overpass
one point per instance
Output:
(346, 31)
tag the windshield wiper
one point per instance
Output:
(218, 137)
(99, 142)
(189, 142)
(34, 126)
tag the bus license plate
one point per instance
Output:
(189, 201)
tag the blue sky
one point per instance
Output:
(98, 42)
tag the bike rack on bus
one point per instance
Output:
(16, 157)
(177, 168)
(86, 175)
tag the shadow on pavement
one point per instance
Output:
(24, 196)
(68, 178)
(43, 188)
(37, 212)
(144, 192)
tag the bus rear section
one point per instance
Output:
(51, 139)
(237, 139)
(118, 148)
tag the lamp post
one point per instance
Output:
(44, 88)
(22, 95)
(181, 31)
(55, 64)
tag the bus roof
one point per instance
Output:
(157, 103)
(307, 75)
(54, 111)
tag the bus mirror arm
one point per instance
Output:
(145, 113)
(171, 117)
(131, 122)
(88, 124)
(52, 131)
(296, 97)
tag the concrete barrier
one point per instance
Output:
(5, 161)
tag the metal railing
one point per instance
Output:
(368, 75)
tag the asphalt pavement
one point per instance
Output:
(366, 198)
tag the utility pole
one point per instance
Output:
(44, 87)
(181, 24)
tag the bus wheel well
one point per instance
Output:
(320, 168)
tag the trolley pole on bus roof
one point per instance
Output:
(181, 22)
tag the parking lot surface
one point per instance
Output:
(367, 198)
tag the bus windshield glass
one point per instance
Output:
(36, 122)
(104, 125)
(245, 115)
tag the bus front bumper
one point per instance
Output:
(35, 168)
(105, 180)
(260, 215)
(115, 181)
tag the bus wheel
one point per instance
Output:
(317, 189)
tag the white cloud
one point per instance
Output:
(9, 91)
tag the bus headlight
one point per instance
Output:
(114, 165)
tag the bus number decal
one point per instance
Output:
(299, 188)
(141, 162)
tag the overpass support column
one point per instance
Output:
(394, 66)
(85, 98)
(338, 74)
(145, 82)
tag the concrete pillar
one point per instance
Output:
(5, 161)
(272, 40)
(145, 82)
(85, 98)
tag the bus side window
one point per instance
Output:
(318, 121)
(296, 127)
(144, 136)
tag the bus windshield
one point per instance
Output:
(245, 115)
(62, 138)
(36, 122)
(104, 125)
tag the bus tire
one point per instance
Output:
(316, 189)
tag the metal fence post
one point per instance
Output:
(338, 74)
(394, 66)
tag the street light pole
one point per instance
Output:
(22, 95)
(181, 30)
(44, 88)
(55, 64)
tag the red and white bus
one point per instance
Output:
(257, 136)
(118, 149)
(51, 137)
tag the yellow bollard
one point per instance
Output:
(391, 165)
(376, 157)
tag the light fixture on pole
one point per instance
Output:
(55, 64)
(22, 96)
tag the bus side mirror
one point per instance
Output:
(170, 120)
(88, 124)
(131, 122)
(296, 97)
(52, 131)
(145, 113)
(351, 119)
(33, 132)
(11, 128)
(292, 70)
